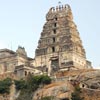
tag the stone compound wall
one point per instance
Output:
(8, 75)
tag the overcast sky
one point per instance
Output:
(21, 23)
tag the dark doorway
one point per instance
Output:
(54, 31)
(54, 39)
(53, 49)
(55, 24)
(55, 64)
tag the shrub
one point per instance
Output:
(76, 94)
(5, 86)
(32, 82)
(40, 79)
(30, 85)
(20, 84)
(36, 80)
(45, 79)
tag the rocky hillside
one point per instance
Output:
(62, 86)
(61, 89)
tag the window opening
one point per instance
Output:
(53, 39)
(53, 49)
(56, 18)
(54, 31)
(25, 73)
(55, 24)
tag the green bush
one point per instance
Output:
(76, 95)
(40, 79)
(32, 82)
(30, 85)
(20, 84)
(5, 86)
(45, 79)
(36, 80)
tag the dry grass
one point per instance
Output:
(73, 72)
(53, 84)
(91, 94)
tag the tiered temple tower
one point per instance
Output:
(60, 46)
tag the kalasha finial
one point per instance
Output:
(59, 3)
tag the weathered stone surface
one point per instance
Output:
(60, 42)
(59, 53)
(92, 79)
(9, 60)
(59, 48)
(63, 88)
(60, 90)
(91, 94)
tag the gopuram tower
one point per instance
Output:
(60, 46)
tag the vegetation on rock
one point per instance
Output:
(5, 86)
(20, 84)
(32, 82)
(30, 85)
(76, 95)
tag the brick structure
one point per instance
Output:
(59, 49)
(9, 60)
(60, 46)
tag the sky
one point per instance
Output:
(21, 23)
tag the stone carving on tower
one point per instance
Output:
(60, 46)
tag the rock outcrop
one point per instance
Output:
(88, 80)
(62, 87)
(60, 90)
